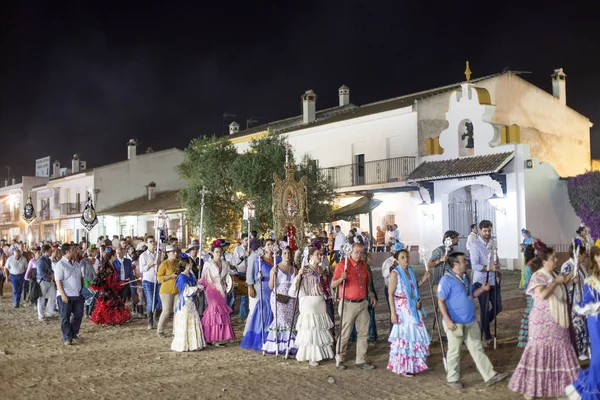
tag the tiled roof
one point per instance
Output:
(292, 121)
(460, 167)
(337, 114)
(167, 200)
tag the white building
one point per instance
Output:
(370, 150)
(13, 197)
(61, 201)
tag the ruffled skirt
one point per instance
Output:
(216, 321)
(280, 336)
(314, 340)
(254, 336)
(112, 312)
(187, 329)
(549, 363)
(410, 341)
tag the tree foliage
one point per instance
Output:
(319, 190)
(583, 194)
(208, 163)
(253, 176)
(233, 179)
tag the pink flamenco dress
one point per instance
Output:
(216, 321)
(409, 339)
(549, 363)
(110, 308)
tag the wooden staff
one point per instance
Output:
(424, 258)
(338, 358)
(496, 282)
(262, 314)
(275, 294)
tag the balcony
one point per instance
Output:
(7, 217)
(71, 208)
(371, 172)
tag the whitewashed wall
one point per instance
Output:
(127, 180)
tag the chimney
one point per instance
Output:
(6, 182)
(150, 189)
(559, 85)
(309, 104)
(234, 128)
(82, 165)
(75, 164)
(131, 149)
(13, 181)
(344, 95)
(55, 168)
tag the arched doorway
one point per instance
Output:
(466, 206)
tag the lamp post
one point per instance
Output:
(203, 192)
(249, 215)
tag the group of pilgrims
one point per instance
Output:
(292, 293)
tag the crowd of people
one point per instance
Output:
(287, 298)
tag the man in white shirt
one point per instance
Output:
(16, 265)
(339, 241)
(472, 237)
(253, 287)
(396, 234)
(67, 274)
(148, 268)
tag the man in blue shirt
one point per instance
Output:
(455, 300)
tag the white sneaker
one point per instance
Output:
(583, 357)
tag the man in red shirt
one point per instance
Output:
(355, 304)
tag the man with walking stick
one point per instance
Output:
(455, 300)
(148, 267)
(486, 269)
(353, 307)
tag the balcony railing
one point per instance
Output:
(71, 208)
(371, 172)
(7, 217)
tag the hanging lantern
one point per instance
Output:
(28, 211)
(89, 219)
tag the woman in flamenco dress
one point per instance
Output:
(110, 308)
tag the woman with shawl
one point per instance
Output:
(549, 362)
(216, 321)
(409, 339)
(187, 329)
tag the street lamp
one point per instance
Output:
(496, 202)
(203, 192)
(249, 214)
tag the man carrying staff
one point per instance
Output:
(455, 300)
(355, 304)
(483, 273)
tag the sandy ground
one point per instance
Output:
(128, 361)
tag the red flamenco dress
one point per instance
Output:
(110, 308)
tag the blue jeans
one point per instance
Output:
(148, 287)
(17, 287)
(244, 307)
(71, 314)
(231, 300)
(489, 297)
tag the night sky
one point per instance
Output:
(85, 79)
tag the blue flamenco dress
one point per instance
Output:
(255, 335)
(587, 385)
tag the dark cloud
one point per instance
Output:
(85, 78)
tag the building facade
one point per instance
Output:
(371, 150)
(61, 201)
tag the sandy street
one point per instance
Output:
(123, 362)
